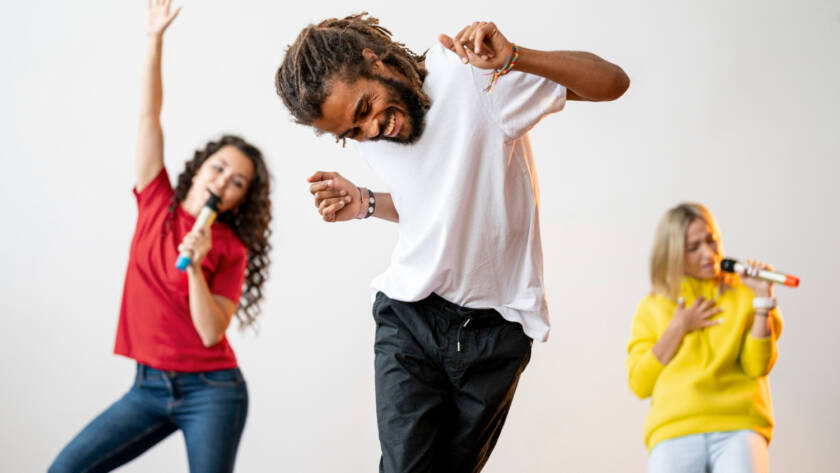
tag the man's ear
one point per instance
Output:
(372, 59)
(369, 54)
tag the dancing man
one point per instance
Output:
(447, 132)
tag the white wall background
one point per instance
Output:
(733, 104)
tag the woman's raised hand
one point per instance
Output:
(158, 16)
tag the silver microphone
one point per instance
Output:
(733, 266)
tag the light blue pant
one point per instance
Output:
(738, 451)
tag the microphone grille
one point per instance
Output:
(728, 265)
(213, 202)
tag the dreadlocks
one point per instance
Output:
(333, 49)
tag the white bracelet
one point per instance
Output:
(764, 303)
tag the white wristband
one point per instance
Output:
(764, 303)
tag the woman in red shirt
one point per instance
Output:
(173, 323)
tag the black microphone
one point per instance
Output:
(205, 218)
(732, 266)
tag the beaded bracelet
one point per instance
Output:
(362, 207)
(507, 67)
(368, 203)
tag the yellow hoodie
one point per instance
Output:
(717, 381)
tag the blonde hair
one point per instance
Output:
(667, 258)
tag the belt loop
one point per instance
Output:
(141, 370)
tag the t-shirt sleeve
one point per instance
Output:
(156, 194)
(229, 276)
(520, 100)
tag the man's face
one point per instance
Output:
(378, 108)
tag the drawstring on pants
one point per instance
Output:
(464, 325)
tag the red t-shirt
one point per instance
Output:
(155, 327)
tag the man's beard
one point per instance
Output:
(410, 99)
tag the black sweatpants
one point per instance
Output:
(445, 378)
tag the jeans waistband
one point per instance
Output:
(144, 371)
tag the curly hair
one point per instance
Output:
(333, 49)
(249, 221)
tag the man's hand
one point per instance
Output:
(584, 75)
(336, 198)
(480, 44)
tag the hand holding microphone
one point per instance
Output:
(760, 277)
(197, 242)
(758, 270)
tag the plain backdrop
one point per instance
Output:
(733, 104)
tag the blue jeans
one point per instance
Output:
(209, 408)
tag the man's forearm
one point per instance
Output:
(585, 74)
(385, 207)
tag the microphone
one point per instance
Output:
(205, 218)
(732, 266)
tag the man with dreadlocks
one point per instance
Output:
(463, 297)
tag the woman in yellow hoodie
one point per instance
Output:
(703, 343)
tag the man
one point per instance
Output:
(463, 297)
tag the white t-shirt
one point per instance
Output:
(467, 194)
